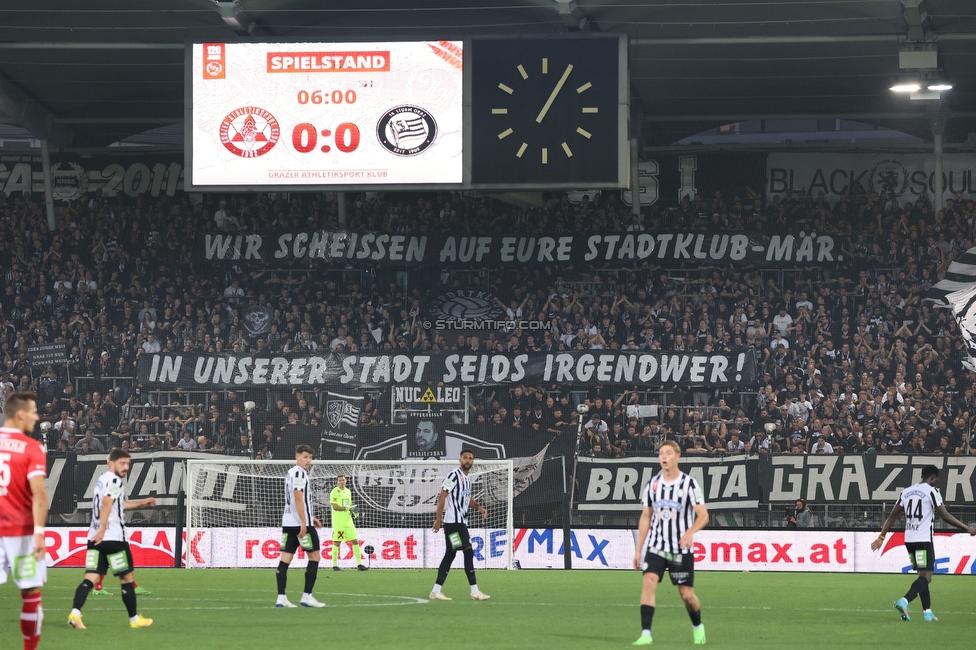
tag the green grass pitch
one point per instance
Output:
(224, 608)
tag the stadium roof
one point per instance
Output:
(91, 76)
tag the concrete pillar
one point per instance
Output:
(48, 185)
(939, 186)
(341, 203)
(634, 177)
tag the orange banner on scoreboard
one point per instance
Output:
(214, 61)
(376, 61)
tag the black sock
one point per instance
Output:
(81, 593)
(129, 598)
(647, 616)
(281, 574)
(917, 587)
(445, 566)
(310, 572)
(926, 597)
(695, 617)
(469, 566)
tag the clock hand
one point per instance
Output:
(555, 91)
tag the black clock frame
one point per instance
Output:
(597, 161)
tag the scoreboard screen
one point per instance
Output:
(266, 115)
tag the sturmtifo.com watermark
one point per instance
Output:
(488, 324)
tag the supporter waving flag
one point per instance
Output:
(963, 304)
(960, 275)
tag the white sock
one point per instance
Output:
(306, 596)
(928, 611)
(436, 589)
(697, 627)
(474, 589)
(282, 597)
(645, 633)
(76, 612)
(133, 619)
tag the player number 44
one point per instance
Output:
(914, 509)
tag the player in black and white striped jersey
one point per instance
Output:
(452, 510)
(295, 529)
(108, 548)
(674, 510)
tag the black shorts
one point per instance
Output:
(680, 567)
(289, 539)
(922, 555)
(114, 556)
(456, 536)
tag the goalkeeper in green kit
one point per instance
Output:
(343, 528)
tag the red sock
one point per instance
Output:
(98, 585)
(31, 617)
(134, 585)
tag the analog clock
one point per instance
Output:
(546, 112)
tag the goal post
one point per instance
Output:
(234, 507)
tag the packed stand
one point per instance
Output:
(851, 360)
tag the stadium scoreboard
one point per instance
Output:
(449, 114)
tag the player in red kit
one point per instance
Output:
(23, 510)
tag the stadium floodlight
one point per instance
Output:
(940, 86)
(906, 87)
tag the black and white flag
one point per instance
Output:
(960, 275)
(257, 320)
(963, 304)
(342, 419)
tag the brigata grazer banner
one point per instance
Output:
(729, 483)
(381, 369)
(625, 248)
(875, 478)
(741, 483)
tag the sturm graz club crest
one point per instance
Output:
(406, 130)
(342, 412)
(889, 176)
(463, 305)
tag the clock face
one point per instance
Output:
(545, 112)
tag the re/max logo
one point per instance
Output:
(544, 538)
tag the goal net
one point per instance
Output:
(234, 509)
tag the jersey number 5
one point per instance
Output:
(4, 473)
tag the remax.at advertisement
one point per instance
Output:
(534, 548)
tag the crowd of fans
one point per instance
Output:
(851, 358)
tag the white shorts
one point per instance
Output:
(17, 557)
